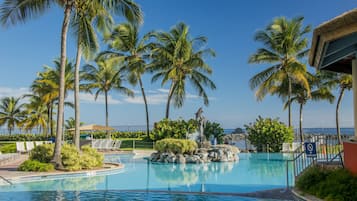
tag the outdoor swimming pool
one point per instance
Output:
(253, 172)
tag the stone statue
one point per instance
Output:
(201, 122)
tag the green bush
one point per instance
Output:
(90, 158)
(36, 166)
(269, 131)
(177, 146)
(328, 184)
(8, 148)
(24, 137)
(70, 157)
(215, 130)
(42, 153)
(178, 129)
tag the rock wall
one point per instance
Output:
(219, 153)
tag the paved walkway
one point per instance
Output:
(9, 170)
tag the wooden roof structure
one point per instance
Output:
(93, 127)
(334, 43)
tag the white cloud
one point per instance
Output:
(15, 92)
(89, 98)
(155, 97)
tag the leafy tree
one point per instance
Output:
(105, 77)
(178, 59)
(36, 115)
(71, 122)
(11, 112)
(125, 44)
(285, 45)
(238, 130)
(214, 129)
(267, 131)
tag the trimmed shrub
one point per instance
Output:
(36, 166)
(328, 184)
(24, 137)
(176, 146)
(8, 148)
(269, 131)
(42, 153)
(70, 157)
(90, 158)
(178, 129)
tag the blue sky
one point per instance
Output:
(229, 25)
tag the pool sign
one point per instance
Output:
(310, 149)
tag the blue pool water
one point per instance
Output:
(252, 172)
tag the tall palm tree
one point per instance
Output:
(285, 44)
(319, 90)
(177, 58)
(87, 15)
(105, 77)
(11, 112)
(125, 44)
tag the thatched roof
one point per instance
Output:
(336, 28)
(93, 127)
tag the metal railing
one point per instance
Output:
(6, 180)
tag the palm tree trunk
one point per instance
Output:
(146, 108)
(106, 113)
(300, 124)
(58, 145)
(76, 135)
(289, 101)
(337, 118)
(51, 120)
(48, 119)
(169, 100)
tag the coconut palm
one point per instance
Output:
(105, 77)
(125, 44)
(178, 59)
(11, 112)
(284, 45)
(36, 115)
(319, 90)
(87, 15)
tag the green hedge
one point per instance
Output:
(8, 148)
(176, 146)
(177, 129)
(24, 137)
(36, 166)
(327, 184)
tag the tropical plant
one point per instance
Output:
(238, 131)
(71, 122)
(105, 77)
(125, 44)
(87, 15)
(178, 59)
(177, 129)
(318, 90)
(285, 45)
(269, 134)
(11, 112)
(36, 115)
(213, 130)
(176, 146)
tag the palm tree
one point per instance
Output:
(46, 85)
(179, 59)
(285, 45)
(319, 90)
(107, 76)
(87, 15)
(11, 112)
(125, 44)
(36, 114)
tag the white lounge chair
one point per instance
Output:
(29, 145)
(37, 143)
(116, 145)
(20, 147)
(95, 143)
(286, 147)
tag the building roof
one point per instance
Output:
(333, 42)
